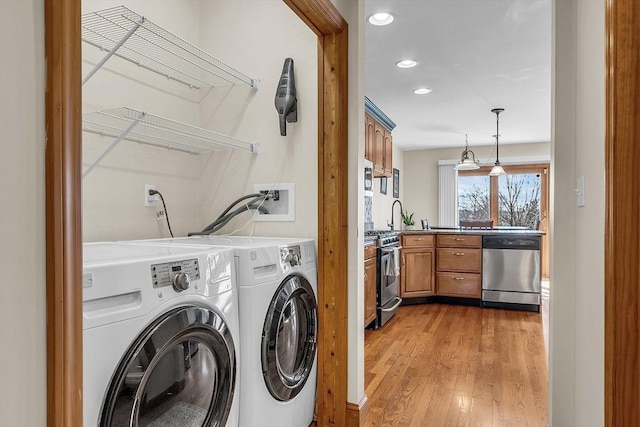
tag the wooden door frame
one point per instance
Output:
(622, 228)
(63, 209)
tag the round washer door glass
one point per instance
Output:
(289, 338)
(179, 372)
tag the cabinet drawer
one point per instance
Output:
(459, 241)
(459, 259)
(417, 241)
(459, 285)
(370, 251)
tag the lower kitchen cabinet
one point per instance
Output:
(369, 284)
(466, 285)
(459, 265)
(417, 270)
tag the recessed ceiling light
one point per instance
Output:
(407, 63)
(422, 90)
(381, 18)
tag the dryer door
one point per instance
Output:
(289, 338)
(179, 372)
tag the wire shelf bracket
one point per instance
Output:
(121, 32)
(128, 124)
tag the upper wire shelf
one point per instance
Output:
(130, 36)
(128, 124)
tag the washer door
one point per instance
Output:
(289, 338)
(179, 372)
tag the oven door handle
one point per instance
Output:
(396, 305)
(390, 249)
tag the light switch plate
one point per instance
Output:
(580, 191)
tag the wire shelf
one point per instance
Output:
(132, 125)
(130, 36)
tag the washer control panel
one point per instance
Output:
(290, 256)
(175, 273)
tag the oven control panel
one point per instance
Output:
(175, 273)
(290, 256)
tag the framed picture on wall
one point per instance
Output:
(383, 185)
(396, 183)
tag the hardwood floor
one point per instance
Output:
(446, 365)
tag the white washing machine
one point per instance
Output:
(160, 328)
(277, 287)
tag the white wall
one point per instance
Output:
(382, 203)
(22, 223)
(239, 30)
(577, 271)
(421, 172)
(353, 13)
(113, 205)
(197, 188)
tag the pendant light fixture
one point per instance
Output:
(497, 168)
(465, 163)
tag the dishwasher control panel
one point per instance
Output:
(531, 243)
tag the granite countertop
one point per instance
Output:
(482, 232)
(370, 240)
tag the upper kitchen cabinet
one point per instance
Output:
(369, 136)
(378, 139)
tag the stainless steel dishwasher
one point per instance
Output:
(511, 272)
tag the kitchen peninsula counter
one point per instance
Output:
(449, 265)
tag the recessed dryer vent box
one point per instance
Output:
(280, 202)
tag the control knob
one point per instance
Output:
(181, 282)
(292, 259)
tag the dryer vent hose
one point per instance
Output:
(256, 202)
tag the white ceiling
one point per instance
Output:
(475, 55)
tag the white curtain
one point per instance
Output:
(448, 196)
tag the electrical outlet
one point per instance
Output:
(149, 200)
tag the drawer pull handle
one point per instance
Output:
(457, 253)
(458, 278)
(457, 239)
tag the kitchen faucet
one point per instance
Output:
(392, 206)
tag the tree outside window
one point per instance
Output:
(519, 200)
(514, 199)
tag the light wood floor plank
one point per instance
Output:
(437, 365)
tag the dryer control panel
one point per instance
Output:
(290, 256)
(166, 273)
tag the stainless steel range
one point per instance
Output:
(388, 274)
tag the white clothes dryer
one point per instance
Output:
(160, 328)
(277, 288)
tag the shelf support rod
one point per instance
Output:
(122, 136)
(114, 50)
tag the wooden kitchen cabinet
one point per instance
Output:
(388, 154)
(369, 137)
(378, 150)
(370, 287)
(378, 140)
(417, 269)
(459, 265)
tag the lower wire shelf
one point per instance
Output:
(132, 125)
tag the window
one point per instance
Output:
(516, 199)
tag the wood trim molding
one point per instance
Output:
(63, 102)
(357, 413)
(325, 20)
(320, 15)
(622, 229)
